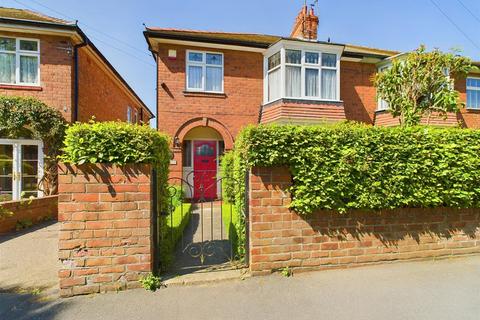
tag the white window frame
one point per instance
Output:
(471, 88)
(282, 46)
(203, 64)
(129, 114)
(267, 93)
(18, 53)
(382, 105)
(17, 164)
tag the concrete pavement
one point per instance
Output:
(446, 289)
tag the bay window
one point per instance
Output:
(21, 169)
(19, 61)
(204, 71)
(298, 73)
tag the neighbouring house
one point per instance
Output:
(54, 61)
(211, 84)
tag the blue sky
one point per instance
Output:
(115, 26)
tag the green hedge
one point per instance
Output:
(114, 142)
(172, 225)
(352, 166)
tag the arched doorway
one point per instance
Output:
(202, 148)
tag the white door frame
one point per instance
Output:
(17, 164)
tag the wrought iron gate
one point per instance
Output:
(198, 231)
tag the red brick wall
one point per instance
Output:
(104, 214)
(56, 74)
(281, 238)
(357, 90)
(238, 107)
(34, 211)
(99, 95)
(243, 78)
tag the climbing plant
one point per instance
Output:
(29, 118)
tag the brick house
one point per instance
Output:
(211, 84)
(53, 60)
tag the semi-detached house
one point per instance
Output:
(54, 61)
(211, 84)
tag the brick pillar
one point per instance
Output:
(105, 218)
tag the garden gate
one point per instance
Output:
(197, 226)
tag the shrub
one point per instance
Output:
(151, 282)
(114, 142)
(352, 166)
(233, 171)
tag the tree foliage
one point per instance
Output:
(421, 84)
(29, 118)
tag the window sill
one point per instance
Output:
(381, 111)
(473, 110)
(20, 87)
(204, 94)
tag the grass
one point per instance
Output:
(171, 231)
(232, 223)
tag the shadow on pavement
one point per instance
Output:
(22, 305)
(14, 234)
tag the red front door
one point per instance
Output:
(205, 170)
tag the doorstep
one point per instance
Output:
(199, 278)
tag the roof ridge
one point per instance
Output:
(211, 31)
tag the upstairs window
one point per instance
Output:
(19, 61)
(307, 74)
(204, 71)
(473, 93)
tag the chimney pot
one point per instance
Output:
(306, 25)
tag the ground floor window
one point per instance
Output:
(21, 168)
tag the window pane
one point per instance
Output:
(29, 182)
(214, 79)
(28, 69)
(28, 45)
(311, 57)
(6, 171)
(187, 153)
(274, 85)
(215, 59)
(329, 60)
(311, 82)
(293, 81)
(7, 68)
(205, 150)
(274, 61)
(195, 77)
(195, 56)
(329, 84)
(293, 56)
(7, 44)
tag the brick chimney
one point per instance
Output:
(306, 25)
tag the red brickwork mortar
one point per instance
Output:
(281, 238)
(34, 211)
(104, 214)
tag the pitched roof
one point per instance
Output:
(258, 40)
(247, 39)
(24, 14)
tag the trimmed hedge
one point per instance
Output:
(352, 166)
(114, 142)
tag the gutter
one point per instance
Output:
(75, 79)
